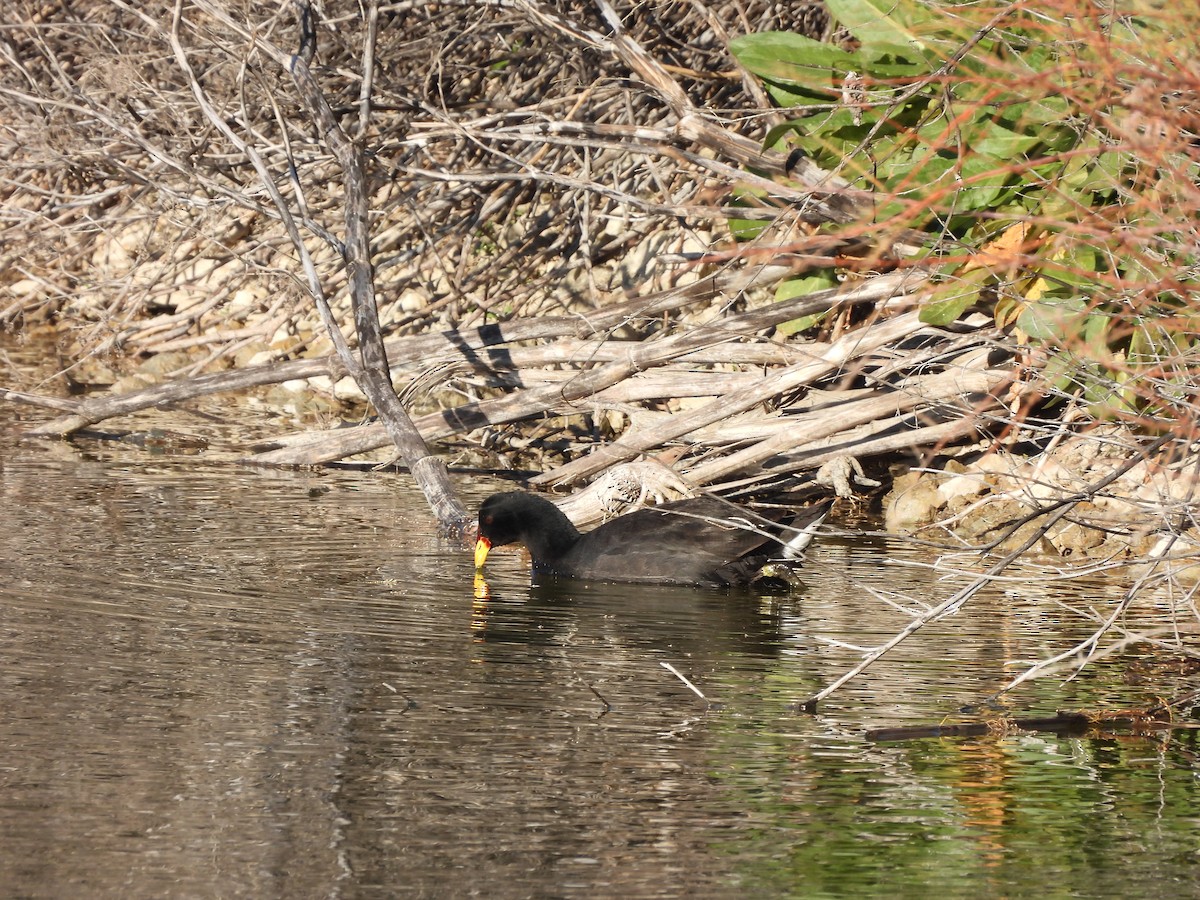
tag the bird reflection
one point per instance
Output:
(661, 617)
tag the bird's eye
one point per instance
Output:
(488, 519)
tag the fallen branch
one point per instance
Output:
(825, 361)
(801, 431)
(467, 344)
(313, 449)
(898, 434)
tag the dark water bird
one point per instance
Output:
(700, 541)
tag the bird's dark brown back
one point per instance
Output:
(692, 541)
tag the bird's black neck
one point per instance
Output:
(553, 536)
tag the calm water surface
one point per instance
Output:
(224, 682)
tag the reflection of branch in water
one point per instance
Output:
(601, 698)
(1086, 649)
(947, 606)
(1135, 721)
(1053, 512)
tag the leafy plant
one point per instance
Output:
(1049, 155)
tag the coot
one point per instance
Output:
(700, 541)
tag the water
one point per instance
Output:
(227, 682)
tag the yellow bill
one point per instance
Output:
(482, 546)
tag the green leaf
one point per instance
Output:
(1096, 333)
(943, 312)
(880, 21)
(984, 179)
(747, 229)
(954, 297)
(832, 136)
(1041, 111)
(1108, 394)
(802, 324)
(800, 287)
(931, 173)
(792, 58)
(1080, 265)
(775, 137)
(1086, 176)
(1052, 320)
(897, 60)
(790, 95)
(994, 139)
(1061, 371)
(952, 301)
